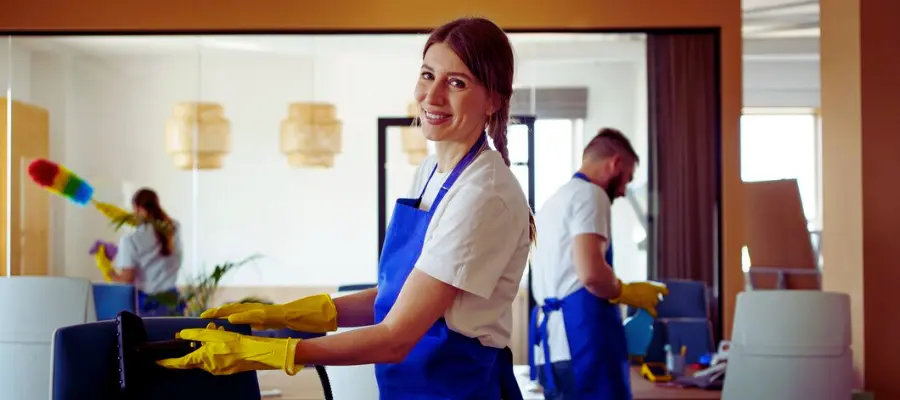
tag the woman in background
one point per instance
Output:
(150, 258)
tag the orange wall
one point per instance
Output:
(231, 15)
(860, 147)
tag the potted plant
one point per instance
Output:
(200, 290)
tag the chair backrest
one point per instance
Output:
(85, 365)
(686, 299)
(111, 298)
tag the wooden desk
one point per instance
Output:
(643, 389)
(305, 386)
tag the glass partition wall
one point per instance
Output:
(266, 144)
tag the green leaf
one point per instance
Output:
(202, 288)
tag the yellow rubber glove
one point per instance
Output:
(313, 314)
(644, 295)
(225, 353)
(104, 264)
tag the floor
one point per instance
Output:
(305, 386)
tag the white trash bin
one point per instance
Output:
(789, 345)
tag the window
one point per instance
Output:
(555, 161)
(557, 153)
(783, 144)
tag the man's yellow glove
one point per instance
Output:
(225, 353)
(313, 314)
(644, 295)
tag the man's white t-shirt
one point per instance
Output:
(477, 241)
(578, 207)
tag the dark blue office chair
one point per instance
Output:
(85, 365)
(111, 298)
(683, 320)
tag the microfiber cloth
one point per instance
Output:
(109, 248)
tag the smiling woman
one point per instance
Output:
(455, 251)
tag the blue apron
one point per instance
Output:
(444, 364)
(599, 356)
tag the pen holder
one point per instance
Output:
(675, 364)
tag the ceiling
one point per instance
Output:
(772, 28)
(781, 19)
(542, 46)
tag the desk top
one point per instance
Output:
(643, 389)
(305, 386)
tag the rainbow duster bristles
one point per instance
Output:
(57, 179)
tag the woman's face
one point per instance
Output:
(453, 105)
(139, 211)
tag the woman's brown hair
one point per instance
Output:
(485, 49)
(147, 200)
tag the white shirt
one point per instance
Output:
(477, 241)
(578, 207)
(154, 273)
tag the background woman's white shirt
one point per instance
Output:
(477, 241)
(140, 250)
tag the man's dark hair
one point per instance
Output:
(609, 142)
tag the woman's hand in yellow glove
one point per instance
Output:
(225, 353)
(645, 295)
(114, 213)
(313, 314)
(104, 264)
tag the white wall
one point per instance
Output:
(315, 227)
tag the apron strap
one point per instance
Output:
(474, 151)
(426, 184)
(540, 335)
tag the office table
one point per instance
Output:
(305, 386)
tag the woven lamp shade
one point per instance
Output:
(213, 135)
(414, 143)
(311, 135)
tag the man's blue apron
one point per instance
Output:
(599, 356)
(444, 364)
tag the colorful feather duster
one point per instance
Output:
(59, 180)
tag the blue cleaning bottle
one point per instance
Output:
(638, 333)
